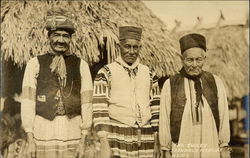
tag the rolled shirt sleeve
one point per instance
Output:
(224, 129)
(86, 97)
(164, 120)
(100, 101)
(28, 102)
(155, 102)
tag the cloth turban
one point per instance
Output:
(192, 40)
(58, 18)
(130, 32)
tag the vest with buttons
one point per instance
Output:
(48, 85)
(120, 107)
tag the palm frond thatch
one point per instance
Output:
(23, 34)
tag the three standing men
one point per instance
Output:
(56, 116)
(194, 119)
(56, 108)
(126, 101)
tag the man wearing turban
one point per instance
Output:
(194, 118)
(56, 108)
(126, 102)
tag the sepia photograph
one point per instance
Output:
(124, 79)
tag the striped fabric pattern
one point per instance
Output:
(154, 101)
(66, 151)
(100, 102)
(61, 141)
(124, 140)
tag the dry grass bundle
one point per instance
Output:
(227, 57)
(23, 34)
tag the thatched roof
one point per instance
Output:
(227, 56)
(23, 34)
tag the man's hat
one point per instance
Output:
(58, 18)
(130, 32)
(192, 40)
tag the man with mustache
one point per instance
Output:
(194, 118)
(56, 107)
(126, 102)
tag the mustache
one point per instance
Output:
(60, 43)
(131, 55)
(193, 69)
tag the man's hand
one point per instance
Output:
(31, 146)
(157, 151)
(225, 152)
(105, 148)
(81, 148)
(105, 151)
(31, 150)
(165, 154)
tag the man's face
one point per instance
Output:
(59, 41)
(130, 49)
(193, 60)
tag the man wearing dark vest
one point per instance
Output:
(194, 118)
(56, 108)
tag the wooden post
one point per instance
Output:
(220, 19)
(177, 25)
(199, 21)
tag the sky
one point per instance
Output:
(235, 12)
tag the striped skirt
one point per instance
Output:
(58, 138)
(131, 142)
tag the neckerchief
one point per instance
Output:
(131, 70)
(197, 84)
(198, 93)
(58, 67)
